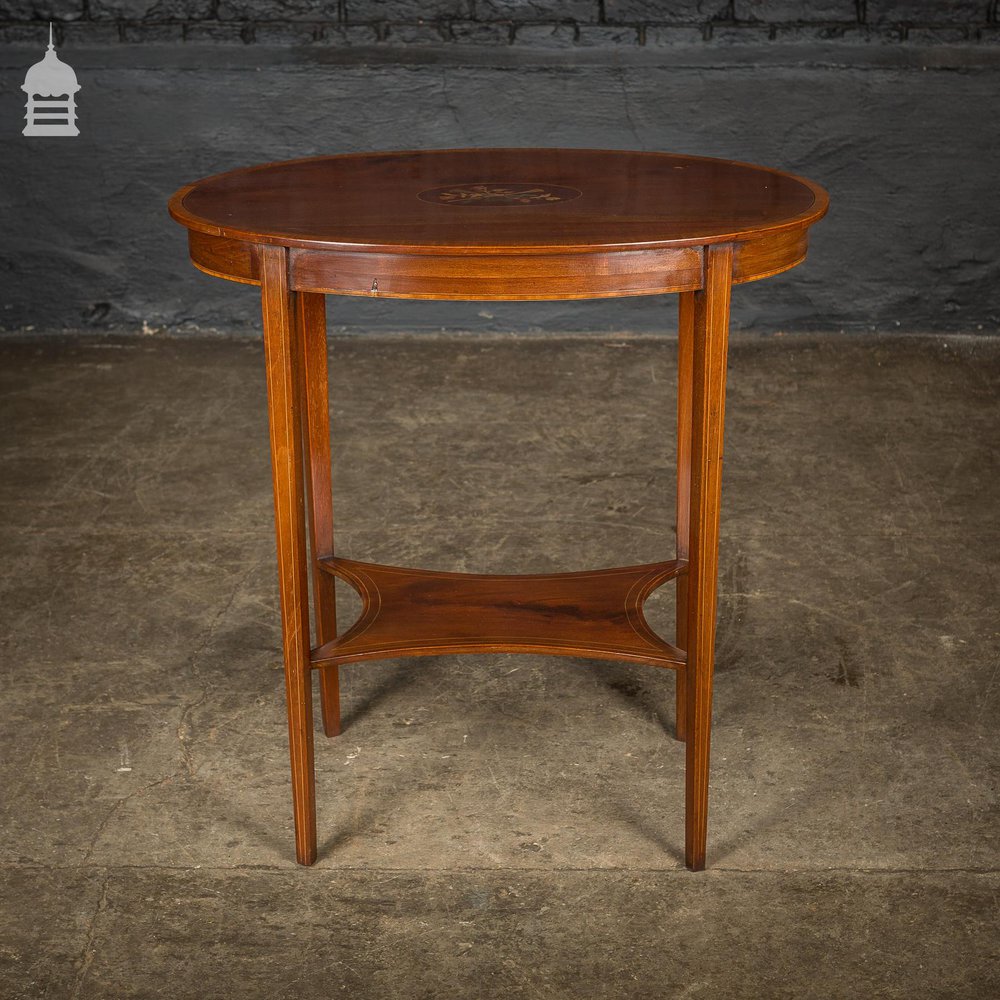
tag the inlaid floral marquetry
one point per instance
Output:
(490, 193)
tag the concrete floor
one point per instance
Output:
(510, 825)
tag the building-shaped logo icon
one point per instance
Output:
(51, 88)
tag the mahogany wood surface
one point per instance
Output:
(504, 224)
(708, 402)
(282, 350)
(497, 276)
(413, 612)
(685, 371)
(310, 315)
(522, 223)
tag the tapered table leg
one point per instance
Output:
(283, 364)
(685, 350)
(708, 394)
(310, 314)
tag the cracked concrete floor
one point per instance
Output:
(509, 825)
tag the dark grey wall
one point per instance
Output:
(891, 105)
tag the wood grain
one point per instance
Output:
(310, 314)
(498, 277)
(361, 224)
(413, 612)
(495, 224)
(372, 202)
(685, 363)
(225, 258)
(708, 403)
(282, 364)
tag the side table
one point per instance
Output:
(493, 224)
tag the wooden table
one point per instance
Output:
(493, 224)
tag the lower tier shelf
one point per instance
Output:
(416, 612)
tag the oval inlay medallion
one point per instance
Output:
(499, 193)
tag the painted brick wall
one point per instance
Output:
(544, 23)
(890, 104)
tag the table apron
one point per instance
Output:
(530, 276)
(497, 276)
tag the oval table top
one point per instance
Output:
(498, 223)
